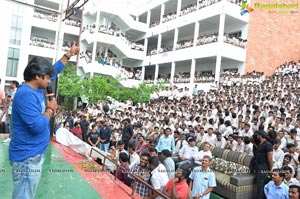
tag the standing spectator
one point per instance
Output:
(177, 187)
(158, 176)
(276, 188)
(4, 115)
(168, 162)
(141, 144)
(77, 130)
(143, 172)
(248, 149)
(105, 136)
(203, 180)
(70, 120)
(166, 142)
(150, 146)
(13, 86)
(84, 127)
(127, 133)
(120, 149)
(94, 136)
(123, 170)
(134, 157)
(264, 162)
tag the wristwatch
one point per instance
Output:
(67, 57)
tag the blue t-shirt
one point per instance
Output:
(30, 128)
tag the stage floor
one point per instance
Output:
(65, 175)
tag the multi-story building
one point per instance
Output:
(33, 28)
(180, 41)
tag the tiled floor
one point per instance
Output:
(65, 176)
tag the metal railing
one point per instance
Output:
(135, 177)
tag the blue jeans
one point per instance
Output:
(104, 147)
(26, 176)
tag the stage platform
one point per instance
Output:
(66, 175)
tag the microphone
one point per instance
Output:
(50, 93)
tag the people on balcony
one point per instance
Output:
(54, 17)
(239, 42)
(188, 9)
(114, 31)
(206, 39)
(42, 43)
(169, 17)
(44, 15)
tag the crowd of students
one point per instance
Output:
(229, 116)
(257, 118)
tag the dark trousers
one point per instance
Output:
(84, 136)
(261, 180)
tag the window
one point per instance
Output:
(12, 62)
(16, 30)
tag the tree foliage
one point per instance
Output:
(99, 87)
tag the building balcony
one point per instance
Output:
(201, 51)
(117, 43)
(112, 71)
(125, 21)
(204, 13)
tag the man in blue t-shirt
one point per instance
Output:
(31, 123)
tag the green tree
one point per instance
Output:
(99, 87)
